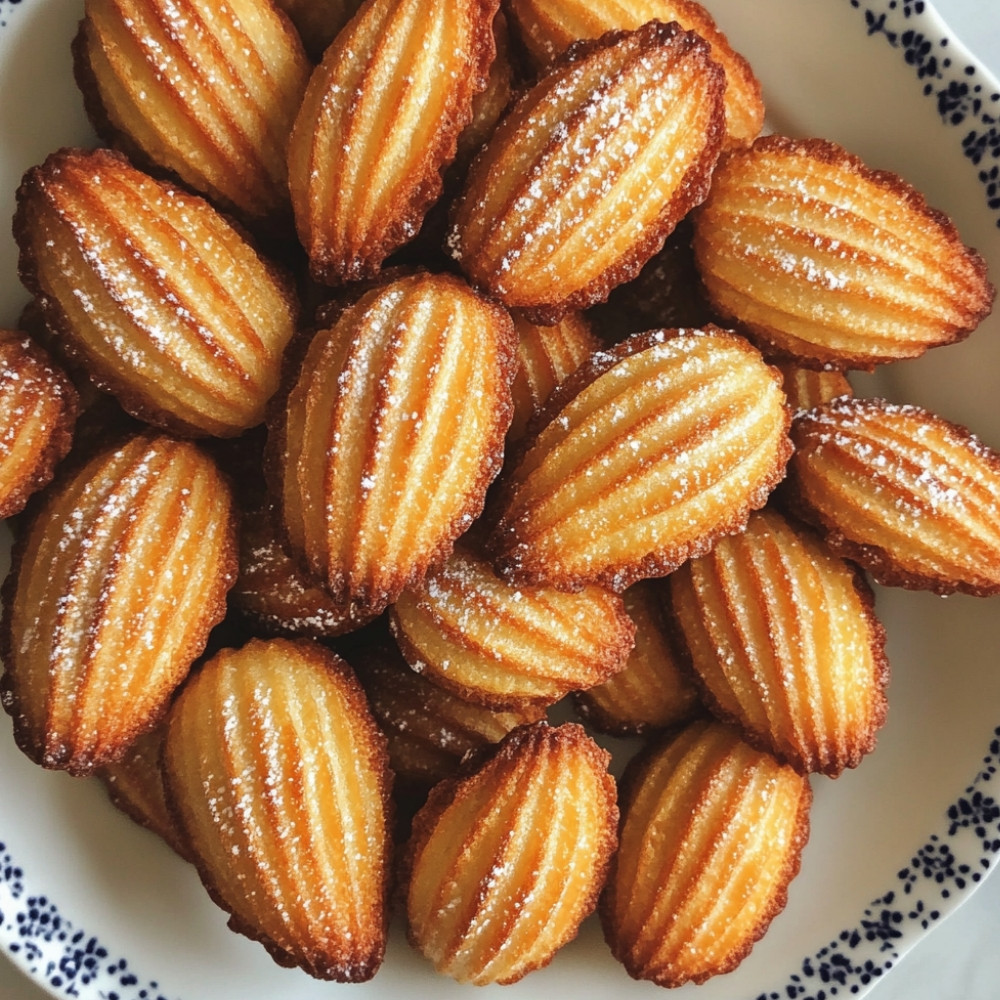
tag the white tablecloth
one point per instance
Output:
(960, 958)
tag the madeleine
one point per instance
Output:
(210, 95)
(153, 293)
(278, 777)
(711, 836)
(390, 434)
(591, 170)
(652, 450)
(379, 123)
(911, 497)
(822, 259)
(115, 585)
(506, 861)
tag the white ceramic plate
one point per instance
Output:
(92, 906)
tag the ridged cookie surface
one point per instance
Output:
(154, 293)
(206, 90)
(711, 834)
(505, 862)
(38, 409)
(549, 27)
(821, 258)
(590, 170)
(653, 449)
(278, 777)
(500, 645)
(391, 433)
(910, 496)
(379, 123)
(783, 638)
(653, 691)
(116, 583)
(429, 729)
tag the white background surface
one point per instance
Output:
(959, 959)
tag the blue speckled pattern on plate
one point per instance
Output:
(56, 942)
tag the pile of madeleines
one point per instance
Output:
(399, 369)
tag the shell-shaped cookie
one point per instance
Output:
(590, 170)
(154, 293)
(278, 776)
(809, 387)
(653, 691)
(549, 27)
(116, 584)
(783, 638)
(319, 21)
(135, 786)
(546, 356)
(380, 121)
(711, 835)
(505, 862)
(910, 496)
(821, 258)
(500, 645)
(276, 594)
(38, 410)
(429, 729)
(208, 91)
(391, 434)
(654, 449)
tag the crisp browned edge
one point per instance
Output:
(503, 544)
(691, 192)
(634, 775)
(370, 605)
(77, 354)
(330, 269)
(760, 740)
(879, 562)
(56, 446)
(485, 766)
(831, 153)
(377, 746)
(213, 608)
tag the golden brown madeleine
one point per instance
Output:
(208, 91)
(546, 356)
(590, 170)
(318, 21)
(821, 258)
(913, 498)
(506, 861)
(157, 296)
(783, 638)
(549, 27)
(712, 832)
(654, 449)
(653, 691)
(38, 409)
(135, 786)
(391, 433)
(279, 778)
(379, 123)
(275, 594)
(504, 646)
(115, 585)
(428, 728)
(809, 387)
